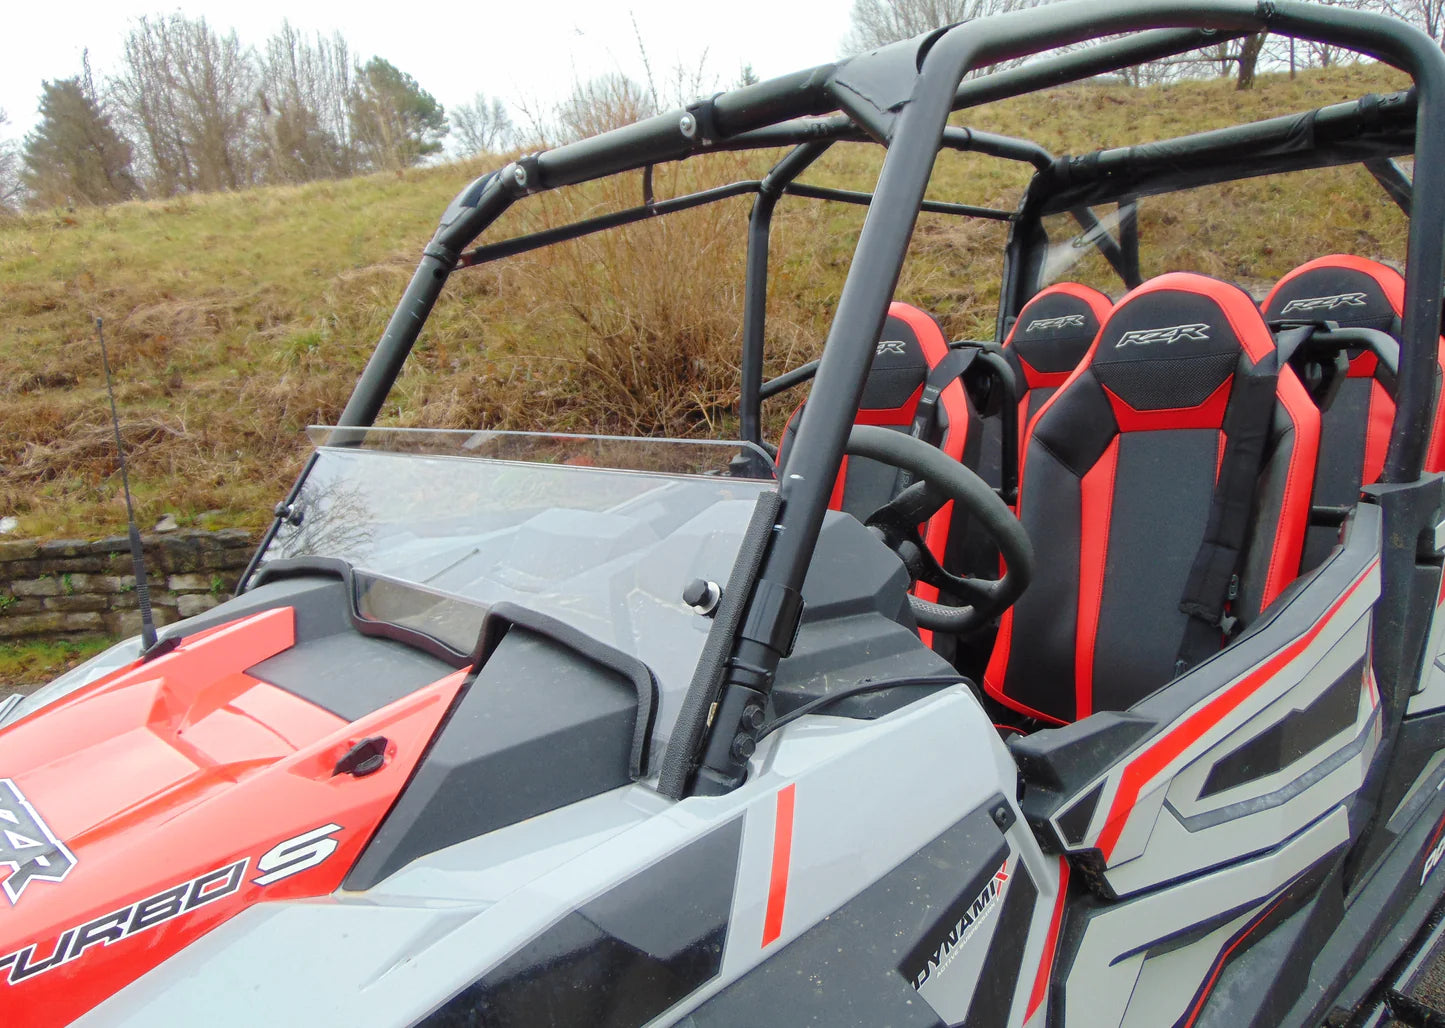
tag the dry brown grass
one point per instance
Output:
(236, 320)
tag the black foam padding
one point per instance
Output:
(620, 959)
(539, 727)
(1152, 546)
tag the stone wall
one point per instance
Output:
(82, 587)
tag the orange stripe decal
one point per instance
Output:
(782, 857)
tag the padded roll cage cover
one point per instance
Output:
(902, 96)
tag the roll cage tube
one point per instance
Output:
(923, 106)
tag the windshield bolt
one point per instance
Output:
(519, 175)
(743, 748)
(702, 596)
(687, 125)
(753, 718)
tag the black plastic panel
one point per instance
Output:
(1296, 734)
(856, 627)
(621, 959)
(540, 727)
(848, 968)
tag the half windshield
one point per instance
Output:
(601, 533)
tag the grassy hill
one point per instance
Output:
(235, 320)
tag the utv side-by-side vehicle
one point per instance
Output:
(1089, 675)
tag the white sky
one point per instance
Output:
(517, 50)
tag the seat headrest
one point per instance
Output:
(1352, 291)
(911, 344)
(1172, 342)
(1056, 328)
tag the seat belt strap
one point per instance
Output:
(1214, 577)
(944, 374)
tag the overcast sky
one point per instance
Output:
(517, 50)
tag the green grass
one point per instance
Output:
(234, 320)
(33, 663)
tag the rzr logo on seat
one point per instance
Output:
(27, 844)
(1049, 324)
(891, 346)
(1172, 334)
(1325, 303)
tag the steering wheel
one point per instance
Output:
(939, 479)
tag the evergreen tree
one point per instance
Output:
(74, 155)
(394, 122)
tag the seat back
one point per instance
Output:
(911, 346)
(1119, 474)
(1049, 339)
(1355, 426)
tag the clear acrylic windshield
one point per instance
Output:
(601, 533)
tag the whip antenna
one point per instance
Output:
(137, 554)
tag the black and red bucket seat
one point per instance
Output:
(1355, 422)
(1175, 427)
(1049, 339)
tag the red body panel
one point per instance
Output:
(172, 783)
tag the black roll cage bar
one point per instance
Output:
(901, 96)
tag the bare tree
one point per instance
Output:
(9, 170)
(482, 126)
(188, 95)
(603, 103)
(877, 23)
(1426, 15)
(303, 104)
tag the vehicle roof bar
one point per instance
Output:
(755, 283)
(1289, 142)
(614, 219)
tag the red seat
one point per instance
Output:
(1355, 426)
(1118, 484)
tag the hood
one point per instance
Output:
(149, 806)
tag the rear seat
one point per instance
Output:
(1355, 423)
(1048, 341)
